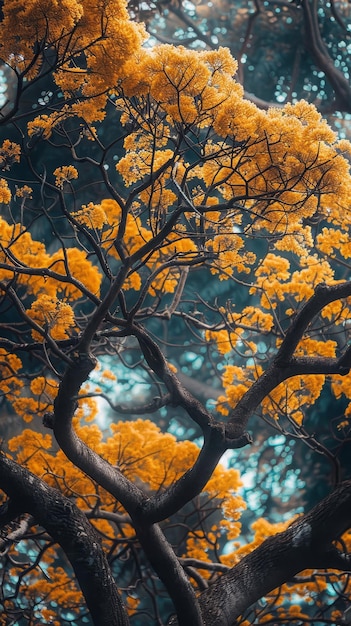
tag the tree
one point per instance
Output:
(108, 235)
(286, 49)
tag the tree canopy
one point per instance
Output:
(152, 217)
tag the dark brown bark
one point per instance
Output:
(285, 364)
(306, 544)
(159, 552)
(69, 527)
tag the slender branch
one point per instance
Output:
(101, 311)
(323, 295)
(51, 343)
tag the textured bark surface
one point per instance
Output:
(134, 500)
(306, 544)
(69, 527)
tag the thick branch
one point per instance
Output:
(306, 544)
(69, 527)
(180, 396)
(166, 564)
(169, 501)
(109, 477)
(132, 498)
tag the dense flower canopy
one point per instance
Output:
(138, 182)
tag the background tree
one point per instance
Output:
(286, 49)
(108, 248)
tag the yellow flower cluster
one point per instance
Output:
(19, 249)
(276, 283)
(54, 317)
(91, 215)
(100, 31)
(108, 215)
(5, 193)
(132, 604)
(291, 397)
(40, 401)
(9, 154)
(136, 165)
(270, 277)
(73, 263)
(42, 125)
(271, 170)
(332, 240)
(135, 236)
(28, 444)
(313, 271)
(24, 192)
(56, 587)
(10, 382)
(228, 259)
(64, 174)
(236, 381)
(341, 385)
(189, 85)
(250, 320)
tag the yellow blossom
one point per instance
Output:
(54, 316)
(42, 125)
(74, 263)
(5, 193)
(108, 375)
(91, 215)
(24, 192)
(10, 153)
(64, 174)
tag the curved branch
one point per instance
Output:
(285, 366)
(157, 549)
(180, 396)
(306, 544)
(321, 56)
(76, 450)
(165, 503)
(69, 527)
(323, 295)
